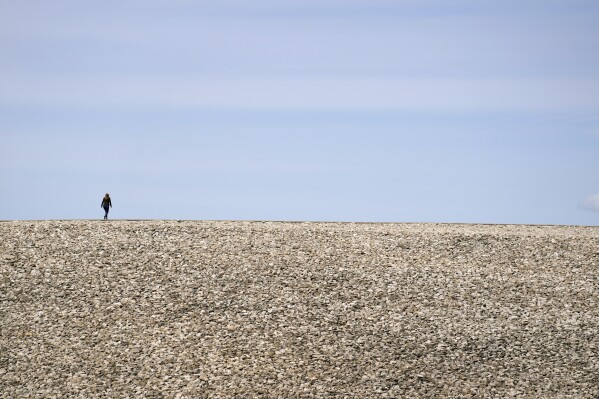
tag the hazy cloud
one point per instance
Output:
(591, 203)
(276, 93)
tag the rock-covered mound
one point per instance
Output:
(193, 309)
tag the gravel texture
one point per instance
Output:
(195, 309)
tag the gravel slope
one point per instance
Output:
(193, 309)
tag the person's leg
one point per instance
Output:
(106, 212)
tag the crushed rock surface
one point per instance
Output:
(213, 309)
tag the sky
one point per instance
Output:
(466, 111)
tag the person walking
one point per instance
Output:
(106, 204)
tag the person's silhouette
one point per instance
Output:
(106, 204)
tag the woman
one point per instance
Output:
(106, 204)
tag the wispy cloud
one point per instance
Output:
(591, 203)
(304, 93)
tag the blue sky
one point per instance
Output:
(396, 111)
